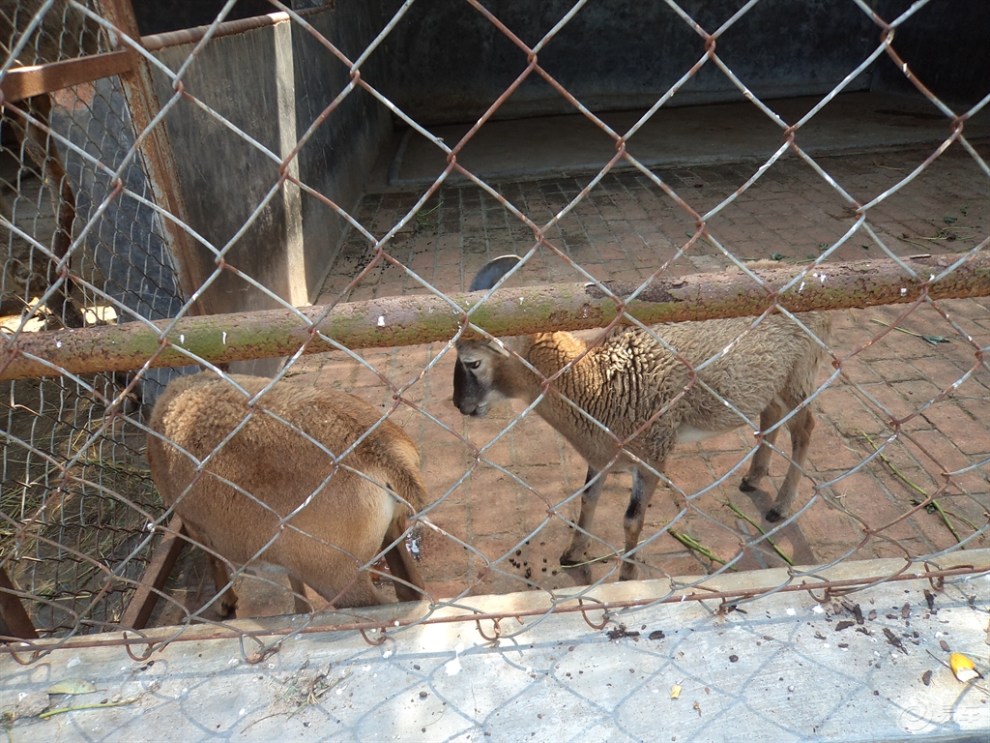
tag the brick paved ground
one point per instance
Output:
(504, 501)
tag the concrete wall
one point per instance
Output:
(617, 55)
(946, 45)
(449, 63)
(342, 152)
(159, 16)
(271, 83)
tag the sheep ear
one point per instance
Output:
(498, 347)
(492, 271)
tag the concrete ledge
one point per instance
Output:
(554, 146)
(867, 666)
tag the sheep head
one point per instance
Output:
(476, 372)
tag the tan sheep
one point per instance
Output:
(625, 402)
(266, 493)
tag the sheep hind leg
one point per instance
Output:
(409, 584)
(800, 426)
(300, 604)
(760, 466)
(575, 554)
(644, 484)
(359, 591)
(227, 605)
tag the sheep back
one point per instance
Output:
(629, 376)
(281, 468)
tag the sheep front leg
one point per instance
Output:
(644, 484)
(300, 605)
(228, 599)
(800, 426)
(760, 466)
(227, 604)
(575, 553)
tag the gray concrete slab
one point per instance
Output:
(867, 666)
(676, 136)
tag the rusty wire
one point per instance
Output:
(544, 242)
(582, 604)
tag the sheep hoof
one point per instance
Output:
(569, 562)
(227, 611)
(227, 606)
(745, 487)
(773, 516)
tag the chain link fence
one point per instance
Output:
(169, 205)
(73, 257)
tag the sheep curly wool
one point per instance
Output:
(624, 401)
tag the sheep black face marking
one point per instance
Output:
(469, 394)
(473, 384)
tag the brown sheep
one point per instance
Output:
(266, 493)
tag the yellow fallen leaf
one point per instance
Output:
(72, 686)
(963, 668)
(675, 691)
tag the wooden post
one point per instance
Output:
(142, 603)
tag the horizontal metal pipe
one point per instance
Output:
(409, 320)
(156, 42)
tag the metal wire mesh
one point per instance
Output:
(899, 459)
(72, 260)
